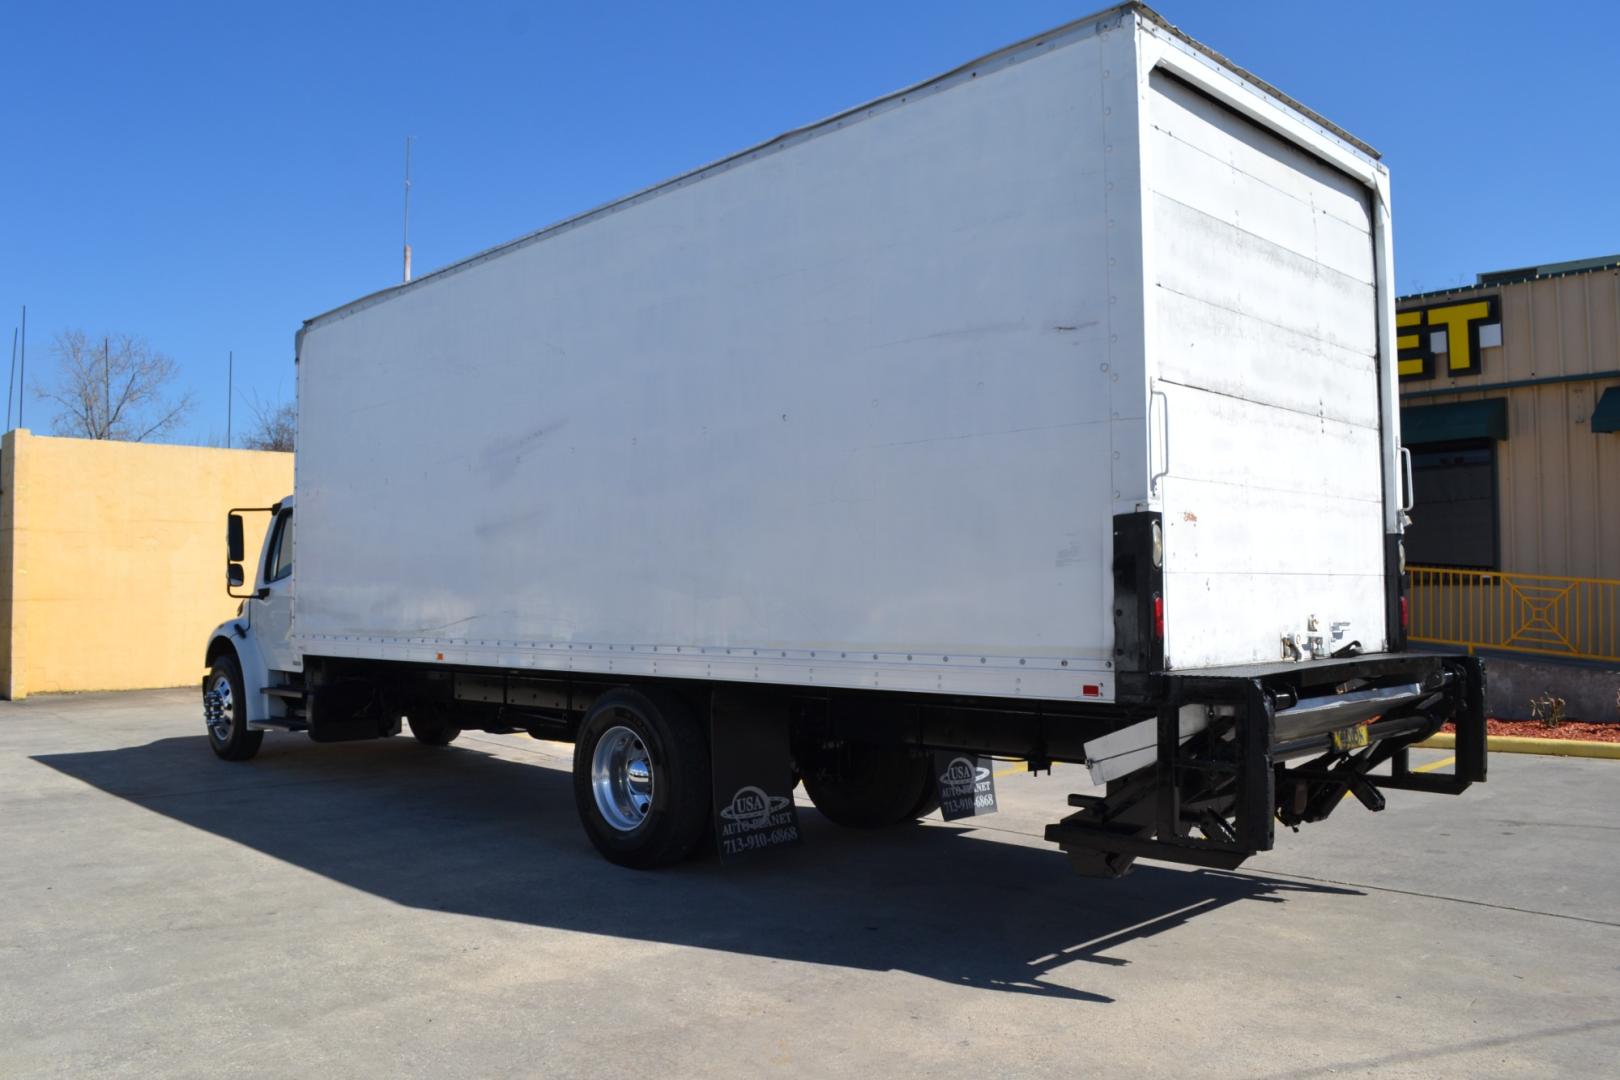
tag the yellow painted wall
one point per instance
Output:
(112, 557)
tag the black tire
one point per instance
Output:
(866, 786)
(229, 736)
(667, 740)
(431, 729)
(929, 802)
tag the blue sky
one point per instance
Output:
(209, 176)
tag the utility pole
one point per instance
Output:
(230, 377)
(408, 140)
(106, 388)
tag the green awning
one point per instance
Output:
(1606, 417)
(1456, 422)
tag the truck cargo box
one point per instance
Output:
(860, 406)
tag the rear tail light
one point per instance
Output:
(1158, 615)
(1403, 614)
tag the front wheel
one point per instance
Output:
(641, 778)
(225, 711)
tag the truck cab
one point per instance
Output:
(254, 671)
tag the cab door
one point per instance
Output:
(270, 611)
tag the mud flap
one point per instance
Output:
(347, 712)
(753, 773)
(967, 787)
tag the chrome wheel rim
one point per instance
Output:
(223, 717)
(622, 779)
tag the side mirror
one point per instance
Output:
(234, 547)
(233, 575)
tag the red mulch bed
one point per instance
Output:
(1578, 730)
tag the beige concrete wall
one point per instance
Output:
(1558, 483)
(112, 557)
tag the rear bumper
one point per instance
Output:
(1277, 742)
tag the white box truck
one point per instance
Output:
(1043, 410)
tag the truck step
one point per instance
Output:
(285, 691)
(279, 723)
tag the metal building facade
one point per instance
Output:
(1510, 395)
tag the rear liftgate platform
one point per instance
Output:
(1219, 775)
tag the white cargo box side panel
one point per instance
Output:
(834, 415)
(1263, 306)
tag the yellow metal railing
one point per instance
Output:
(1528, 613)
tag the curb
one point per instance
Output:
(1519, 744)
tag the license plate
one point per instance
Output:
(1350, 738)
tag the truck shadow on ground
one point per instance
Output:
(467, 832)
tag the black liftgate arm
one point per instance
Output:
(1214, 798)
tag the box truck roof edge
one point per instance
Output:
(1010, 53)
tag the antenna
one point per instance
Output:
(408, 140)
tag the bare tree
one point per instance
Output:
(275, 427)
(116, 388)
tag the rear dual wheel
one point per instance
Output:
(868, 786)
(641, 778)
(430, 728)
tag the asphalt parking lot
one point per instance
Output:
(382, 909)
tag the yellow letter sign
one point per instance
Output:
(1460, 321)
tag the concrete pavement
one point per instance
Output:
(382, 909)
